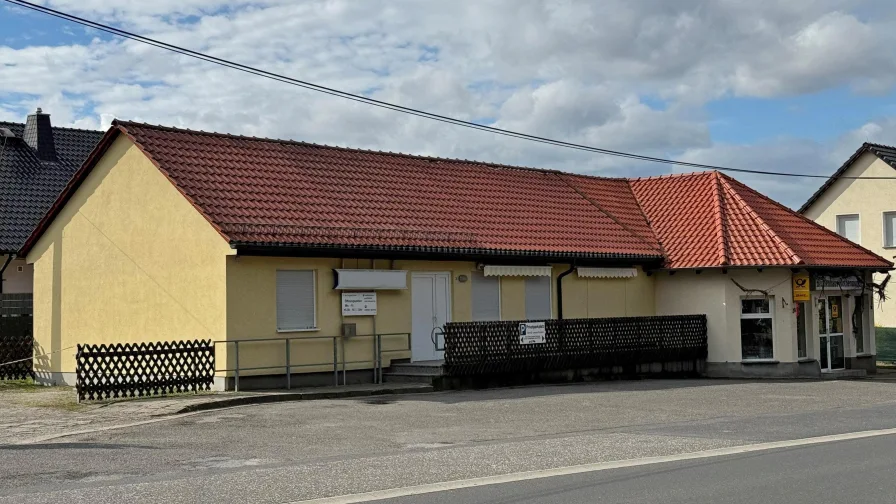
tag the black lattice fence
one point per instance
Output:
(16, 348)
(480, 348)
(144, 369)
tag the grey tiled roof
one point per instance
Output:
(28, 186)
(886, 153)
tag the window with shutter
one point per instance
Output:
(295, 300)
(486, 297)
(538, 298)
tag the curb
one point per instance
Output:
(263, 398)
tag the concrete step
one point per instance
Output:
(421, 369)
(423, 378)
(844, 374)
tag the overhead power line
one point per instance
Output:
(395, 107)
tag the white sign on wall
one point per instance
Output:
(358, 303)
(532, 332)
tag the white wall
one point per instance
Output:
(713, 293)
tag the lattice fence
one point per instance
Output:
(477, 348)
(16, 348)
(144, 369)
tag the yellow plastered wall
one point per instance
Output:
(252, 314)
(128, 259)
(869, 199)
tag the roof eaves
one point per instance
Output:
(329, 248)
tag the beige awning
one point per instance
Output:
(607, 272)
(517, 271)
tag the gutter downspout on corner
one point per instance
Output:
(9, 258)
(572, 267)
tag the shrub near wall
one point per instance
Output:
(886, 343)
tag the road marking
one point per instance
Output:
(585, 468)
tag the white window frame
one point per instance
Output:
(883, 234)
(500, 288)
(769, 315)
(314, 304)
(550, 297)
(858, 217)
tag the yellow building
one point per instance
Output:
(863, 211)
(287, 253)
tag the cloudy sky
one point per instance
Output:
(790, 86)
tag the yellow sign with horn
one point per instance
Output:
(801, 287)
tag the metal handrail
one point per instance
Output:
(288, 366)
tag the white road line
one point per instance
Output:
(578, 469)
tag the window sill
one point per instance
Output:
(310, 329)
(864, 355)
(759, 361)
(803, 360)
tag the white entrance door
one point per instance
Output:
(430, 308)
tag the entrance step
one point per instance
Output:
(844, 374)
(413, 372)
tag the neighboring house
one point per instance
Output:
(36, 161)
(864, 211)
(172, 234)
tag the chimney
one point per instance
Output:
(38, 135)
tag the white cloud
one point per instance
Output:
(586, 72)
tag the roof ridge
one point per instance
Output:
(609, 214)
(810, 221)
(628, 184)
(782, 245)
(670, 175)
(287, 141)
(68, 128)
(720, 215)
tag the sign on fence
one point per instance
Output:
(358, 303)
(532, 332)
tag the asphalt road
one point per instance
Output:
(848, 471)
(290, 452)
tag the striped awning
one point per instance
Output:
(607, 272)
(516, 271)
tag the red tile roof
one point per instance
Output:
(262, 192)
(708, 219)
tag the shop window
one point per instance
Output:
(757, 328)
(486, 297)
(848, 227)
(538, 298)
(890, 229)
(801, 317)
(296, 300)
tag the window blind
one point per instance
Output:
(538, 298)
(486, 297)
(295, 300)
